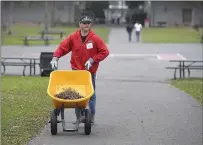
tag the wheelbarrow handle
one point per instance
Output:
(86, 68)
(55, 68)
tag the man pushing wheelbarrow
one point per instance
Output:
(88, 49)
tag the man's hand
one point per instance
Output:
(54, 62)
(89, 63)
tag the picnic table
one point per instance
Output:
(43, 61)
(186, 64)
(161, 23)
(19, 61)
(46, 39)
(48, 31)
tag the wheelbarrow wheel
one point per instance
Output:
(54, 122)
(87, 122)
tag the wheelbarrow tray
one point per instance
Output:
(80, 80)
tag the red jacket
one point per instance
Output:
(93, 47)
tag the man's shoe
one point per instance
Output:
(81, 120)
(77, 121)
(92, 119)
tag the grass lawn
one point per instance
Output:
(191, 86)
(19, 31)
(170, 35)
(25, 108)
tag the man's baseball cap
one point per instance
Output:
(85, 19)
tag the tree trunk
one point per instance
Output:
(10, 17)
(53, 14)
(46, 16)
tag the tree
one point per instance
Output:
(135, 13)
(97, 7)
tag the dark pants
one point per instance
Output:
(129, 36)
(137, 36)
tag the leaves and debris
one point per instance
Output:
(69, 93)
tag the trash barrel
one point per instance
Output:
(45, 66)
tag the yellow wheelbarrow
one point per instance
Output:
(81, 81)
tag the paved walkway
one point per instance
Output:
(135, 105)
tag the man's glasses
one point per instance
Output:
(85, 22)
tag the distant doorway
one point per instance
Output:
(187, 16)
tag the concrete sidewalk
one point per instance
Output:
(134, 112)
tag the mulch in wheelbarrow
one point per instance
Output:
(69, 93)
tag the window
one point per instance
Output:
(187, 15)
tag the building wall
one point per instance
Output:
(171, 12)
(117, 9)
(64, 11)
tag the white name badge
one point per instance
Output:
(89, 45)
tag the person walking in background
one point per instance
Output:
(138, 28)
(129, 29)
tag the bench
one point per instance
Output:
(22, 62)
(38, 38)
(182, 66)
(161, 23)
(43, 32)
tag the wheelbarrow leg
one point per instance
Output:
(62, 119)
(75, 128)
(77, 124)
